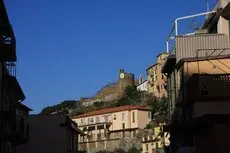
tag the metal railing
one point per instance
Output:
(11, 68)
(192, 22)
(207, 87)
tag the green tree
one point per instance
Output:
(134, 150)
(131, 96)
(48, 110)
(62, 107)
(98, 104)
(160, 107)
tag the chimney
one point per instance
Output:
(140, 79)
(201, 31)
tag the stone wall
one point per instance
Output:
(111, 145)
(112, 91)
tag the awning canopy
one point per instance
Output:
(12, 86)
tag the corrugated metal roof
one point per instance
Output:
(202, 45)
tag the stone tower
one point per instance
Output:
(125, 79)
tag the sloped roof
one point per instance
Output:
(112, 110)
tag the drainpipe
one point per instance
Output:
(167, 45)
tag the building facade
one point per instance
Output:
(156, 80)
(13, 130)
(50, 133)
(112, 91)
(198, 86)
(142, 84)
(155, 140)
(106, 129)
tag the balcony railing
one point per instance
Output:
(7, 43)
(206, 87)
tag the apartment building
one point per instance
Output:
(198, 70)
(156, 80)
(12, 127)
(155, 140)
(50, 134)
(104, 129)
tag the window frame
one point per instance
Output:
(133, 117)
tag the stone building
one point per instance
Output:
(111, 91)
(112, 128)
(156, 80)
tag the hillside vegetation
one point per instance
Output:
(130, 97)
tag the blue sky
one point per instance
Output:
(69, 49)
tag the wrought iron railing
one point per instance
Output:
(11, 68)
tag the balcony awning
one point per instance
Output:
(169, 64)
(13, 86)
(22, 106)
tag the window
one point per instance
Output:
(88, 120)
(106, 118)
(114, 117)
(133, 117)
(123, 125)
(149, 114)
(147, 147)
(92, 120)
(123, 117)
(97, 119)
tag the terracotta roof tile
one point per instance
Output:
(112, 110)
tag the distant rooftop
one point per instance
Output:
(112, 110)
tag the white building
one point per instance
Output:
(142, 84)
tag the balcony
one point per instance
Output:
(7, 43)
(206, 87)
(204, 45)
(98, 126)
